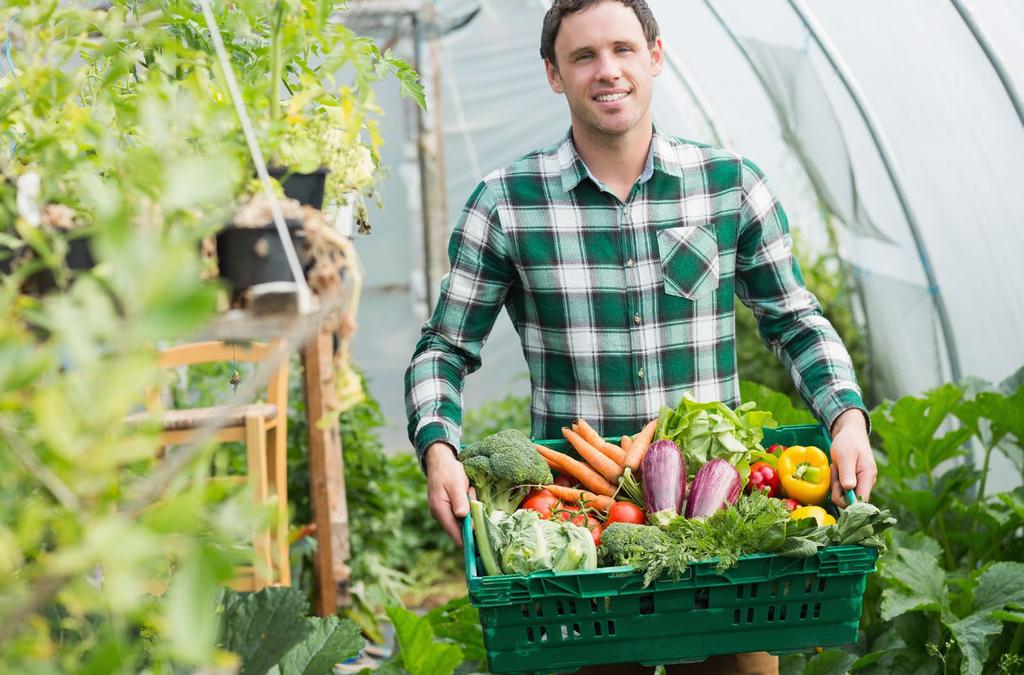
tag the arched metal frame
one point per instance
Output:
(990, 54)
(888, 160)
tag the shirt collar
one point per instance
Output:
(573, 170)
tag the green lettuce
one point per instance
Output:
(707, 431)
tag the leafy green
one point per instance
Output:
(972, 610)
(262, 627)
(524, 542)
(706, 431)
(778, 404)
(755, 523)
(459, 621)
(419, 653)
(330, 641)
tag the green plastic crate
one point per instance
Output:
(561, 621)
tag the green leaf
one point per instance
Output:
(908, 430)
(460, 622)
(262, 627)
(918, 582)
(190, 606)
(777, 403)
(1001, 584)
(330, 641)
(1012, 617)
(831, 662)
(972, 634)
(420, 654)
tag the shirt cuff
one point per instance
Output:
(840, 402)
(434, 432)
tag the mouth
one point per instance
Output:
(612, 97)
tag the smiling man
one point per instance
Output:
(618, 254)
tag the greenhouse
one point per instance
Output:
(249, 257)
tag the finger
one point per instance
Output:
(848, 472)
(441, 509)
(866, 478)
(838, 498)
(459, 502)
(450, 525)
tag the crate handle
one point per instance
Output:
(468, 546)
(851, 498)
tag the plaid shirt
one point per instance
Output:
(622, 307)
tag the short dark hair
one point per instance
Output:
(559, 8)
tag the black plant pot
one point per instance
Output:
(306, 188)
(79, 258)
(247, 256)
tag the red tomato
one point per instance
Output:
(790, 504)
(591, 523)
(625, 512)
(543, 503)
(564, 481)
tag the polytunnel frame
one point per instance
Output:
(881, 146)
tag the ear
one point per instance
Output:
(657, 57)
(554, 78)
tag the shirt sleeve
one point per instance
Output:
(789, 317)
(472, 295)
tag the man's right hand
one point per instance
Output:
(447, 486)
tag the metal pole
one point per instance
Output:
(993, 58)
(888, 160)
(673, 61)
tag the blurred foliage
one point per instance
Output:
(114, 120)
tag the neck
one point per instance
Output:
(616, 161)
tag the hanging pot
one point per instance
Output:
(306, 188)
(79, 258)
(247, 256)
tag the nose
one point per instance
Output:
(608, 68)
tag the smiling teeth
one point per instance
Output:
(611, 97)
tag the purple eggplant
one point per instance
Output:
(716, 486)
(664, 479)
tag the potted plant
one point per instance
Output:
(318, 133)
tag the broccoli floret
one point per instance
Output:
(502, 467)
(629, 544)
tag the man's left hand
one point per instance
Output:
(853, 464)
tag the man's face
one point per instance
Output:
(605, 69)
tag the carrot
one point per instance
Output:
(554, 466)
(610, 450)
(640, 445)
(626, 442)
(573, 496)
(594, 457)
(590, 479)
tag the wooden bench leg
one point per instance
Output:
(277, 475)
(256, 460)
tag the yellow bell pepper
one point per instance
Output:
(816, 512)
(805, 474)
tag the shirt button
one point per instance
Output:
(640, 373)
(636, 319)
(629, 263)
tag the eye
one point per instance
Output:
(623, 50)
(584, 57)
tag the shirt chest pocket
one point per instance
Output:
(689, 260)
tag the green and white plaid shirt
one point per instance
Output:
(622, 307)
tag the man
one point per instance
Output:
(618, 254)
